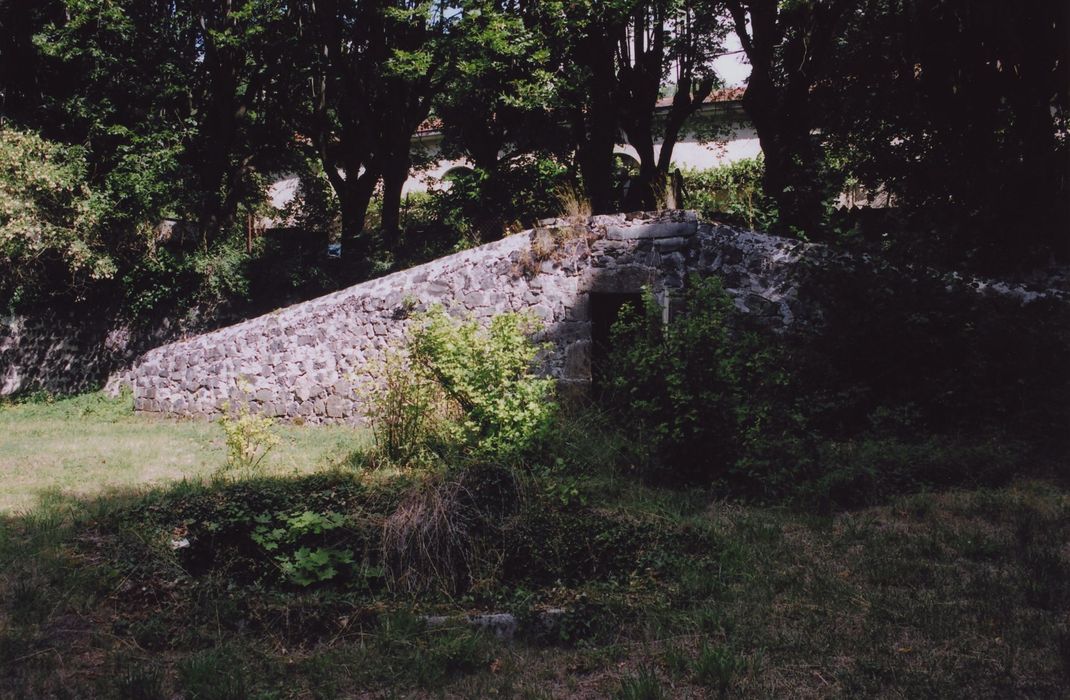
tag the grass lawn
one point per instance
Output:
(665, 593)
(89, 444)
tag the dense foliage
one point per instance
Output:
(953, 114)
(732, 193)
(464, 391)
(49, 218)
(892, 392)
(709, 392)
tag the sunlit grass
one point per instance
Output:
(89, 444)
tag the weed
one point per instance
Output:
(676, 660)
(214, 674)
(136, 679)
(296, 542)
(643, 685)
(430, 539)
(574, 204)
(408, 413)
(249, 439)
(716, 667)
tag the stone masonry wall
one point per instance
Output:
(61, 352)
(311, 360)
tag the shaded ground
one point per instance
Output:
(670, 594)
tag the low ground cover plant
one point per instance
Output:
(661, 591)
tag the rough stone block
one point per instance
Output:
(335, 407)
(663, 227)
(578, 361)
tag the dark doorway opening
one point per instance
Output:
(605, 310)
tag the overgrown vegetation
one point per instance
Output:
(740, 520)
(50, 219)
(462, 391)
(711, 394)
(249, 438)
(731, 193)
(894, 392)
(665, 591)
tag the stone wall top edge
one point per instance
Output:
(287, 315)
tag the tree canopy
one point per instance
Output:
(955, 114)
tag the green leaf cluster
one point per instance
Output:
(49, 215)
(302, 546)
(731, 192)
(503, 410)
(464, 387)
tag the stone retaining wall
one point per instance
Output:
(62, 352)
(309, 361)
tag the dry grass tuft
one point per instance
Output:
(568, 239)
(429, 541)
(574, 204)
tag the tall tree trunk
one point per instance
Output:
(790, 41)
(395, 173)
(643, 189)
(791, 176)
(354, 197)
(595, 158)
(684, 104)
(595, 123)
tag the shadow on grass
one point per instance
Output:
(966, 589)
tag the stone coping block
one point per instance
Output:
(674, 224)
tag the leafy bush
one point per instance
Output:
(732, 191)
(249, 439)
(714, 397)
(503, 410)
(408, 413)
(482, 205)
(167, 280)
(910, 351)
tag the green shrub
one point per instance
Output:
(482, 205)
(733, 192)
(249, 439)
(910, 351)
(714, 398)
(503, 410)
(408, 413)
(166, 281)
